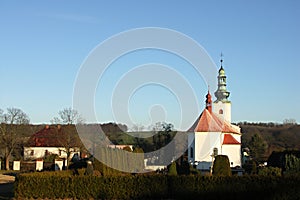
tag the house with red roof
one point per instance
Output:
(51, 140)
(212, 133)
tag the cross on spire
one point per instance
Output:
(221, 59)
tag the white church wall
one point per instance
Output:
(226, 110)
(191, 147)
(237, 137)
(205, 142)
(233, 152)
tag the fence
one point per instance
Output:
(30, 166)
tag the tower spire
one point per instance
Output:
(208, 102)
(222, 94)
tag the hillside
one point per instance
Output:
(276, 137)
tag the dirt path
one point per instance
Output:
(6, 187)
(6, 179)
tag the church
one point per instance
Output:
(212, 133)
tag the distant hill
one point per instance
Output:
(279, 137)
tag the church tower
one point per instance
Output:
(222, 106)
(212, 133)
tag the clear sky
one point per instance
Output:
(44, 43)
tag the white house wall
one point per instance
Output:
(39, 152)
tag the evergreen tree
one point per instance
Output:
(221, 166)
(257, 147)
(292, 163)
(172, 169)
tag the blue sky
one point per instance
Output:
(44, 43)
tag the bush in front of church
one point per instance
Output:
(221, 166)
(172, 170)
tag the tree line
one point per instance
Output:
(259, 139)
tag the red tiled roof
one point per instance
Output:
(209, 122)
(50, 136)
(229, 139)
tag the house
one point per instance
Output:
(120, 146)
(51, 140)
(212, 133)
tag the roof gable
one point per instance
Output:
(209, 122)
(50, 136)
(229, 139)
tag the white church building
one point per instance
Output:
(212, 133)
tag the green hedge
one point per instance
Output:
(55, 185)
(221, 166)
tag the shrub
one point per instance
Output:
(183, 168)
(221, 166)
(270, 171)
(194, 171)
(172, 169)
(50, 157)
(104, 169)
(89, 169)
(62, 185)
(292, 164)
(250, 167)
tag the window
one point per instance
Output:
(192, 152)
(32, 152)
(221, 112)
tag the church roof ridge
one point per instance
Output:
(210, 122)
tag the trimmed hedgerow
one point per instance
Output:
(56, 186)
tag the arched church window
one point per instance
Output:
(192, 152)
(221, 112)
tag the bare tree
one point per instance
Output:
(289, 122)
(137, 127)
(8, 130)
(69, 140)
(67, 116)
(156, 127)
(55, 120)
(1, 114)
